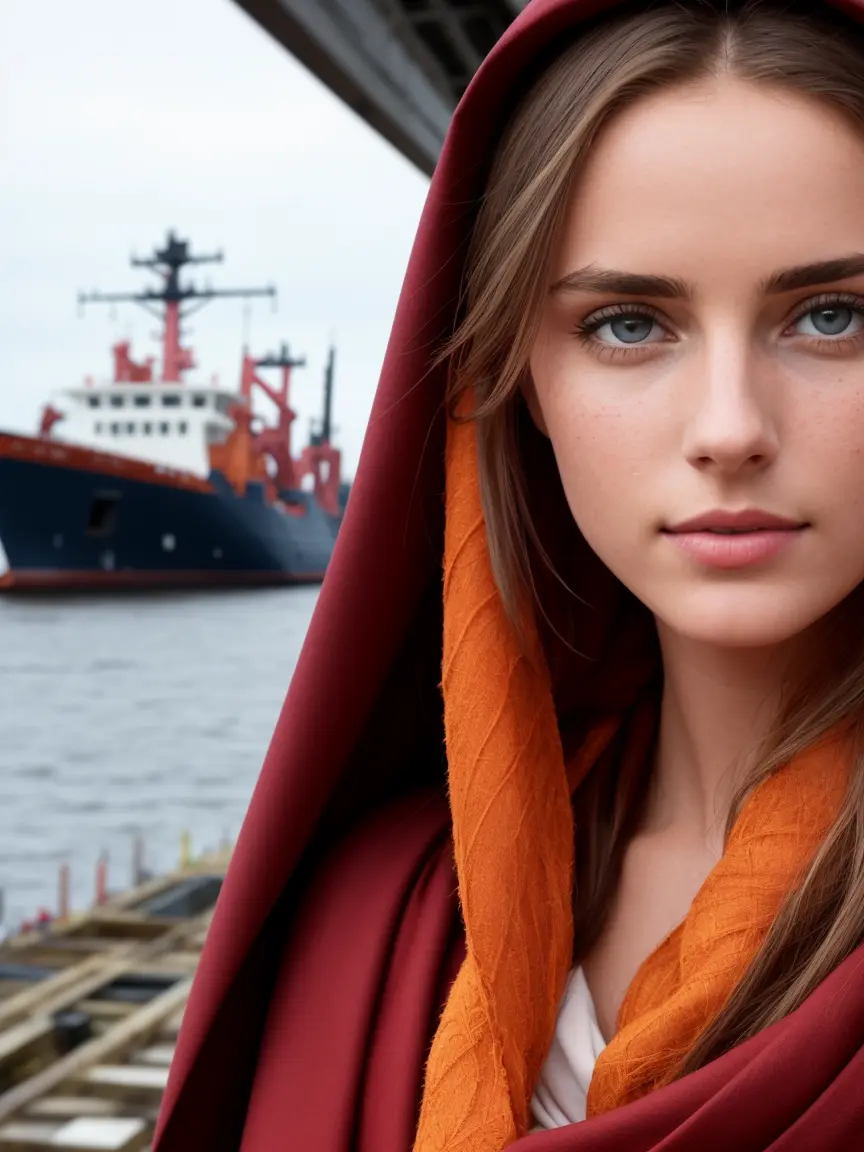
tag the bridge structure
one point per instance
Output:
(402, 65)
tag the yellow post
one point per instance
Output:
(185, 850)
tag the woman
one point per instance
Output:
(646, 316)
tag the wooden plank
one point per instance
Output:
(159, 1055)
(113, 1135)
(22, 1036)
(26, 1048)
(135, 1030)
(57, 950)
(102, 926)
(68, 1107)
(176, 961)
(24, 1135)
(122, 1079)
(85, 1134)
(10, 988)
(171, 1029)
(108, 1009)
(122, 1070)
(26, 1002)
(65, 990)
(147, 890)
(215, 865)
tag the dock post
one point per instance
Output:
(63, 893)
(185, 850)
(102, 879)
(138, 873)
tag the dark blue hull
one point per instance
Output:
(63, 526)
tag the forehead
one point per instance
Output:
(723, 179)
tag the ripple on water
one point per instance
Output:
(98, 666)
(83, 756)
(35, 772)
(167, 737)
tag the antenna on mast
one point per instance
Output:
(324, 433)
(168, 262)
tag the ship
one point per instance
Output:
(155, 479)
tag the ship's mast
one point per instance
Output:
(284, 360)
(275, 442)
(167, 263)
(323, 434)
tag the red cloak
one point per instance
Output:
(337, 933)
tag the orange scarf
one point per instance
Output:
(684, 983)
(513, 844)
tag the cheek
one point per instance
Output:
(606, 427)
(608, 467)
(608, 453)
(826, 448)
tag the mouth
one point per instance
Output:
(727, 523)
(728, 540)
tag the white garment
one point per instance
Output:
(562, 1091)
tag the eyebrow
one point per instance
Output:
(594, 279)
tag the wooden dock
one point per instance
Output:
(90, 1008)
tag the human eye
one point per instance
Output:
(620, 330)
(834, 321)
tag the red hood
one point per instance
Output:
(360, 736)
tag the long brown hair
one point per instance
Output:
(810, 49)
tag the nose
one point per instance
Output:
(731, 428)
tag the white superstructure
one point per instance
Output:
(159, 416)
(168, 424)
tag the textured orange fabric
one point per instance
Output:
(684, 983)
(513, 843)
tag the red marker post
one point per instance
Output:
(102, 879)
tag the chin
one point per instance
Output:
(740, 617)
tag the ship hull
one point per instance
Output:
(71, 518)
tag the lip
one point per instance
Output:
(760, 537)
(745, 520)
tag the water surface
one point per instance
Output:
(145, 714)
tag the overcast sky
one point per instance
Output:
(120, 120)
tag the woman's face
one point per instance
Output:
(731, 380)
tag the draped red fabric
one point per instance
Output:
(337, 934)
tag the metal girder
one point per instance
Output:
(436, 20)
(449, 38)
(400, 64)
(349, 45)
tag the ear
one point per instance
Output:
(529, 395)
